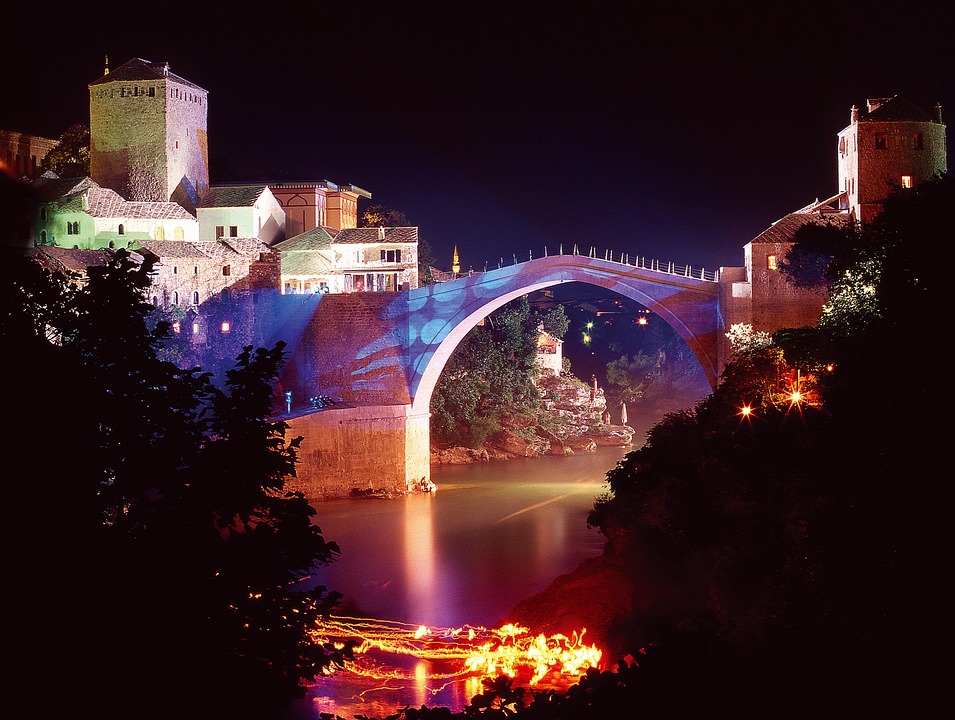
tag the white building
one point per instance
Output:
(241, 211)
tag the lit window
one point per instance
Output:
(226, 326)
(178, 233)
(906, 181)
(160, 232)
(176, 327)
(881, 140)
(195, 328)
(771, 262)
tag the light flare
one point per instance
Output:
(459, 653)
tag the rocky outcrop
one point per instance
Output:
(572, 418)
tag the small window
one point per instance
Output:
(176, 327)
(155, 301)
(771, 262)
(160, 232)
(906, 181)
(226, 326)
(175, 298)
(195, 298)
(175, 269)
(195, 328)
(226, 270)
(233, 231)
(195, 269)
(152, 92)
(881, 140)
(122, 230)
(179, 233)
(220, 231)
(918, 141)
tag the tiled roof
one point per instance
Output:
(307, 263)
(106, 203)
(369, 235)
(784, 229)
(246, 246)
(232, 195)
(174, 249)
(314, 239)
(71, 260)
(139, 69)
(53, 188)
(897, 109)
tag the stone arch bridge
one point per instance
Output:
(381, 354)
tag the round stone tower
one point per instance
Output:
(148, 134)
(892, 144)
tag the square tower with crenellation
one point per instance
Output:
(148, 134)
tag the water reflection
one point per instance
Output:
(492, 535)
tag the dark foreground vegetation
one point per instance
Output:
(151, 542)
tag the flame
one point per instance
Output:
(459, 653)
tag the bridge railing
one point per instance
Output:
(622, 258)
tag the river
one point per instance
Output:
(491, 535)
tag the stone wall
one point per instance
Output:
(361, 449)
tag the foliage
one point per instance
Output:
(490, 372)
(70, 157)
(157, 502)
(380, 216)
(804, 534)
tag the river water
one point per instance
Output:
(491, 535)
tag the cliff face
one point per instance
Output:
(572, 418)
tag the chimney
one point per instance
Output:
(938, 112)
(854, 115)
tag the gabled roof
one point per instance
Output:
(232, 196)
(314, 239)
(53, 188)
(139, 69)
(171, 249)
(370, 235)
(216, 250)
(106, 203)
(784, 229)
(307, 264)
(69, 260)
(897, 109)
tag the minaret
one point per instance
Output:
(455, 263)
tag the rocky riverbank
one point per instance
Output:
(572, 418)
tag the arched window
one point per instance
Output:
(225, 295)
(195, 298)
(121, 230)
(43, 237)
(178, 233)
(155, 301)
(112, 244)
(175, 298)
(160, 232)
(76, 228)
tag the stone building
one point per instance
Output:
(21, 155)
(324, 260)
(893, 144)
(78, 213)
(148, 134)
(310, 205)
(237, 210)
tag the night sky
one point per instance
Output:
(678, 132)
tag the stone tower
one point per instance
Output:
(148, 134)
(893, 144)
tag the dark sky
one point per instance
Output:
(676, 131)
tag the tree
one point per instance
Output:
(70, 157)
(380, 216)
(162, 509)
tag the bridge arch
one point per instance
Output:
(439, 316)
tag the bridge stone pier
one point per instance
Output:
(379, 355)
